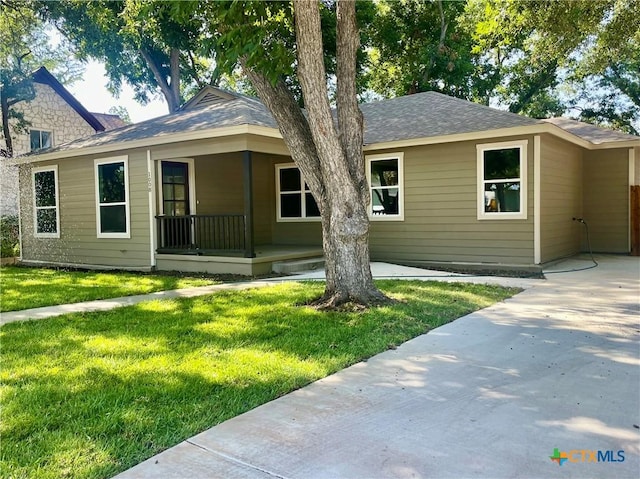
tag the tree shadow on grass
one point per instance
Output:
(88, 395)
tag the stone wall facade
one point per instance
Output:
(48, 111)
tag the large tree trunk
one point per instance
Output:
(329, 156)
(6, 131)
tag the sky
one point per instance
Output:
(92, 92)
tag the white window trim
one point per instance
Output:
(106, 161)
(43, 169)
(481, 148)
(303, 218)
(191, 170)
(35, 128)
(387, 156)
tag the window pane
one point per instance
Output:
(34, 138)
(45, 187)
(113, 219)
(111, 178)
(179, 192)
(289, 179)
(384, 173)
(46, 221)
(311, 206)
(385, 201)
(500, 164)
(290, 206)
(180, 208)
(502, 197)
(168, 208)
(45, 139)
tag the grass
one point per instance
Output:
(25, 288)
(89, 395)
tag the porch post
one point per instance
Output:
(248, 205)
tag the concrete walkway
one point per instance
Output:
(379, 270)
(489, 395)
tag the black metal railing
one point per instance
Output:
(203, 234)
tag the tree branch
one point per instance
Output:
(160, 79)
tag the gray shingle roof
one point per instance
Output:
(590, 133)
(432, 114)
(238, 111)
(422, 115)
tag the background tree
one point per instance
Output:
(541, 58)
(140, 43)
(24, 47)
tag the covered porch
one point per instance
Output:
(261, 263)
(216, 213)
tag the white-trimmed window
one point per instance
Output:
(46, 217)
(112, 197)
(385, 174)
(502, 180)
(294, 199)
(40, 139)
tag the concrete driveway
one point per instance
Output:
(490, 395)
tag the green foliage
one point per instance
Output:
(24, 47)
(418, 46)
(122, 112)
(25, 288)
(90, 395)
(9, 237)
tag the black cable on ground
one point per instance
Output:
(595, 263)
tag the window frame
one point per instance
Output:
(44, 169)
(40, 130)
(369, 159)
(522, 145)
(301, 193)
(108, 161)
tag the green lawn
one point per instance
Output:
(90, 395)
(24, 288)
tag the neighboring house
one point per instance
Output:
(56, 117)
(212, 188)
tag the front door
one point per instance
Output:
(175, 188)
(178, 230)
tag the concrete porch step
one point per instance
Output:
(298, 266)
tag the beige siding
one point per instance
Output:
(219, 188)
(306, 232)
(264, 209)
(441, 222)
(606, 199)
(560, 198)
(78, 242)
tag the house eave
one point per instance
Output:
(536, 129)
(153, 141)
(210, 133)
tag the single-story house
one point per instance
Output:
(213, 188)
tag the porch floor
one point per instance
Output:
(266, 255)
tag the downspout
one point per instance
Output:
(537, 253)
(152, 210)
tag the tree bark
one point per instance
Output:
(329, 155)
(171, 92)
(4, 106)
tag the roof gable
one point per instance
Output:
(42, 75)
(208, 96)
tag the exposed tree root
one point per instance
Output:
(339, 301)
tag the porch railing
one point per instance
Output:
(203, 234)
